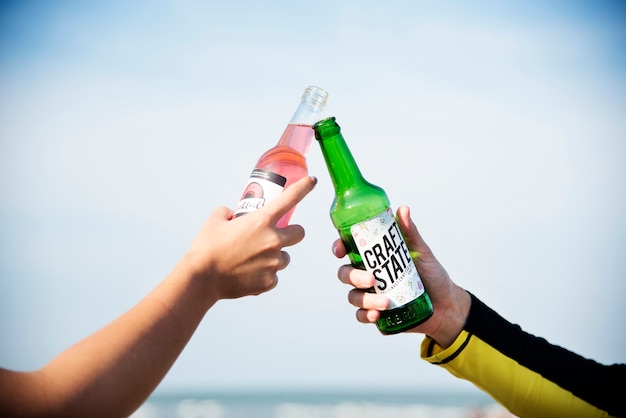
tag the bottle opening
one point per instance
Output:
(325, 128)
(315, 97)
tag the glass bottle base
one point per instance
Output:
(403, 318)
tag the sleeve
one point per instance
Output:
(527, 374)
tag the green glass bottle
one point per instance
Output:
(362, 214)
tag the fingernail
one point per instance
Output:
(314, 179)
(381, 303)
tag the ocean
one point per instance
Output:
(320, 405)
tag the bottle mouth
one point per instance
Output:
(315, 97)
(325, 128)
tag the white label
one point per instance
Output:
(386, 255)
(262, 187)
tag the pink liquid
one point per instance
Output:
(288, 158)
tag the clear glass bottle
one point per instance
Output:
(362, 214)
(284, 163)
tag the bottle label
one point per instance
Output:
(262, 187)
(386, 255)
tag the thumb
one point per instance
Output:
(289, 197)
(412, 236)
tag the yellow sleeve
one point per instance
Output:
(522, 391)
(527, 374)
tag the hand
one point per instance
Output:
(241, 256)
(451, 302)
(112, 371)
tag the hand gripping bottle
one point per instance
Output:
(367, 226)
(285, 163)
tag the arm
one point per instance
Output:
(526, 374)
(111, 372)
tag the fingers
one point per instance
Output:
(291, 235)
(403, 215)
(360, 279)
(289, 197)
(411, 234)
(367, 316)
(339, 249)
(369, 304)
(284, 260)
(366, 300)
(267, 284)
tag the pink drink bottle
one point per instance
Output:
(284, 163)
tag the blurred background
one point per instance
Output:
(124, 124)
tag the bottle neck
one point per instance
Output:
(312, 104)
(342, 167)
(299, 132)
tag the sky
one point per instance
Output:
(123, 125)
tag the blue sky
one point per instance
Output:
(122, 126)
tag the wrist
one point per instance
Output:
(198, 279)
(454, 318)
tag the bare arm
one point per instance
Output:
(112, 372)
